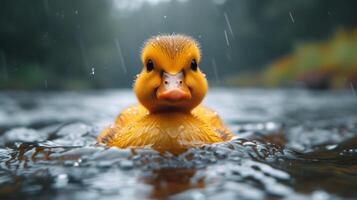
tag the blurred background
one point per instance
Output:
(63, 62)
(92, 44)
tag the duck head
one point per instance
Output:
(171, 79)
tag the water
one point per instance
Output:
(290, 145)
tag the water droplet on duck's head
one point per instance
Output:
(181, 128)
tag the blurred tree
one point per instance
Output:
(318, 65)
(95, 44)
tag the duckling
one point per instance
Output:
(170, 88)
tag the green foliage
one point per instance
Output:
(333, 61)
(29, 76)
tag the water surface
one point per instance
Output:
(289, 144)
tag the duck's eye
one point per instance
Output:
(149, 65)
(194, 65)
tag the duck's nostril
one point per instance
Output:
(166, 82)
(180, 82)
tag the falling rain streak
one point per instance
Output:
(228, 24)
(123, 66)
(353, 89)
(291, 17)
(93, 72)
(46, 6)
(83, 53)
(225, 35)
(215, 71)
(4, 66)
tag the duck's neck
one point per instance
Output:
(168, 110)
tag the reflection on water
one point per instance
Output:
(290, 144)
(170, 181)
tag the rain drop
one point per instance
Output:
(291, 17)
(228, 24)
(181, 128)
(122, 62)
(353, 89)
(215, 71)
(92, 73)
(83, 52)
(225, 35)
(46, 6)
(3, 63)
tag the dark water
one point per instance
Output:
(290, 145)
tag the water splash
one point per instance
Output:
(122, 62)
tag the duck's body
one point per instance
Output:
(167, 131)
(168, 117)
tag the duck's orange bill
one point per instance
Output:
(173, 88)
(173, 95)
